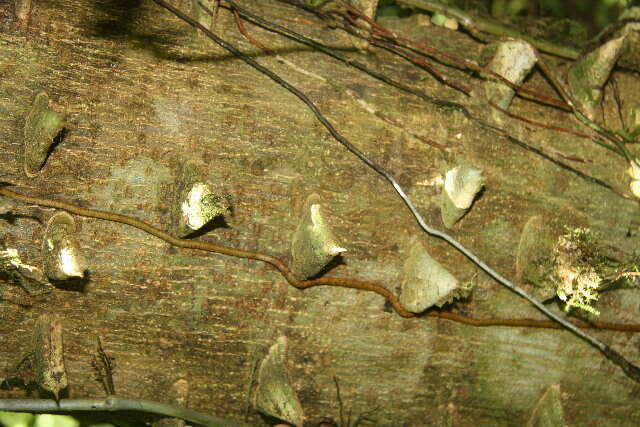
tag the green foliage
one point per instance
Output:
(16, 419)
(599, 13)
(594, 14)
(508, 7)
(19, 419)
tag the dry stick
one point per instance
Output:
(286, 271)
(103, 364)
(631, 370)
(570, 158)
(418, 93)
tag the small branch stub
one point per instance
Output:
(548, 410)
(513, 60)
(41, 126)
(314, 244)
(104, 366)
(23, 9)
(61, 253)
(588, 75)
(427, 283)
(461, 185)
(50, 371)
(274, 394)
(534, 257)
(195, 202)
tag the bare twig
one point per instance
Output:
(103, 364)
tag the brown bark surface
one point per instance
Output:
(143, 94)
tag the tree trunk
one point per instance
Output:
(144, 94)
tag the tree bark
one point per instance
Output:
(143, 94)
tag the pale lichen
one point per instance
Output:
(576, 269)
(11, 256)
